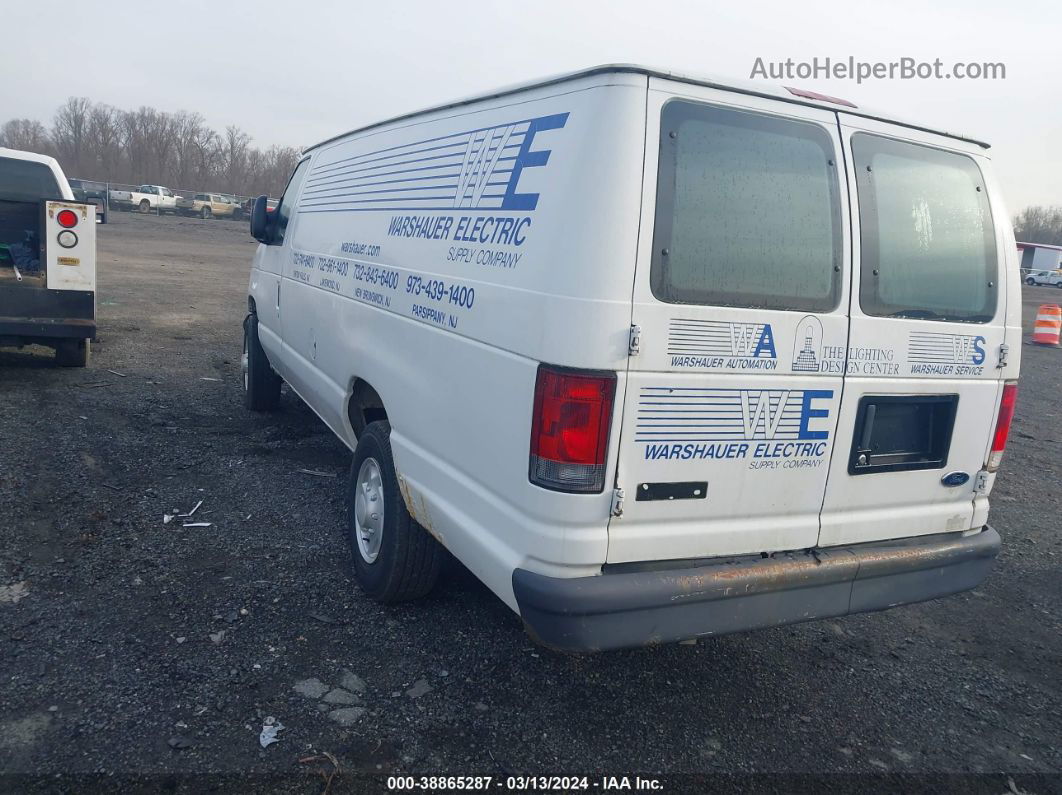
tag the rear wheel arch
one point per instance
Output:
(364, 406)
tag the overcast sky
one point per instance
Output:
(297, 72)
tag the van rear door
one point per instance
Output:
(922, 383)
(729, 412)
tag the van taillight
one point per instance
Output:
(1006, 415)
(570, 428)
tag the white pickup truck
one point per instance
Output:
(146, 199)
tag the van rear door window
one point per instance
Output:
(747, 213)
(926, 235)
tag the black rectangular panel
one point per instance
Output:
(686, 490)
(894, 433)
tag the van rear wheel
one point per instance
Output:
(395, 559)
(72, 353)
(261, 385)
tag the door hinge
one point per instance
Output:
(981, 482)
(1004, 352)
(634, 341)
(617, 502)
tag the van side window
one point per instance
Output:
(747, 211)
(927, 240)
(287, 201)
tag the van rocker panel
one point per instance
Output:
(659, 604)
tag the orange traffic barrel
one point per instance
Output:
(1048, 324)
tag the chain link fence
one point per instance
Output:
(159, 200)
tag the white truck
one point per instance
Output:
(47, 259)
(655, 356)
(145, 199)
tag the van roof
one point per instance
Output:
(781, 93)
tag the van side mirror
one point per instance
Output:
(260, 220)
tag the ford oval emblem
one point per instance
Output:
(953, 479)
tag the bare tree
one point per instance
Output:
(70, 132)
(96, 141)
(159, 136)
(105, 140)
(186, 131)
(1039, 225)
(236, 143)
(135, 125)
(26, 134)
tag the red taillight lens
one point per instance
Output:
(1006, 416)
(66, 218)
(570, 428)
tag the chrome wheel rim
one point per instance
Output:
(369, 509)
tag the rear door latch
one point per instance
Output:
(634, 342)
(617, 502)
(1004, 352)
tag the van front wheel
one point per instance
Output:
(261, 386)
(395, 559)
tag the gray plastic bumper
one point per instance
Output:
(658, 604)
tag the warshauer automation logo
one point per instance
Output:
(721, 344)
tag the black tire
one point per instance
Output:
(205, 213)
(409, 559)
(145, 207)
(72, 353)
(1031, 282)
(261, 385)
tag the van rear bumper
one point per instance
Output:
(638, 605)
(30, 314)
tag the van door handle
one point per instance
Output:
(868, 427)
(278, 293)
(863, 451)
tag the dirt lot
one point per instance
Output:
(136, 650)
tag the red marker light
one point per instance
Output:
(66, 218)
(570, 429)
(1003, 421)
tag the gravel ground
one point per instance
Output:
(133, 651)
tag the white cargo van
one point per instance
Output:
(653, 356)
